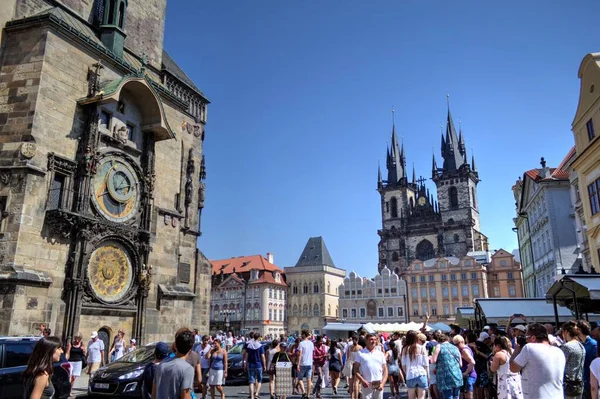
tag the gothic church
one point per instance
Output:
(415, 225)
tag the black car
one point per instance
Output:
(123, 378)
(235, 364)
(14, 355)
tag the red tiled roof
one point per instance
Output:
(267, 278)
(559, 173)
(243, 264)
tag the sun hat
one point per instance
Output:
(94, 334)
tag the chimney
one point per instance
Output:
(545, 171)
(270, 258)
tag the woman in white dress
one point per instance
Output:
(509, 383)
(118, 347)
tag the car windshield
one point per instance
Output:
(140, 355)
(237, 349)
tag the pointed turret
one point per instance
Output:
(379, 179)
(396, 161)
(414, 175)
(473, 166)
(451, 152)
(434, 168)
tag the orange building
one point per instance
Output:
(504, 276)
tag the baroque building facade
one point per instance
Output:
(504, 276)
(373, 300)
(545, 220)
(586, 133)
(102, 173)
(415, 225)
(249, 294)
(313, 288)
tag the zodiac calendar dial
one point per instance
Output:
(110, 272)
(116, 190)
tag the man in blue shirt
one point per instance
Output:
(254, 363)
(591, 349)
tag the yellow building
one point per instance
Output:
(313, 294)
(440, 286)
(586, 130)
(504, 276)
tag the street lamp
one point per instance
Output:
(226, 314)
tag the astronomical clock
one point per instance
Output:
(116, 190)
(110, 272)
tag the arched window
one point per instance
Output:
(305, 310)
(329, 287)
(110, 15)
(316, 310)
(394, 206)
(453, 197)
(412, 202)
(473, 198)
(305, 290)
(425, 250)
(397, 271)
(394, 256)
(295, 289)
(456, 238)
(316, 288)
(328, 310)
(121, 14)
(295, 310)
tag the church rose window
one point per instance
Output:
(425, 250)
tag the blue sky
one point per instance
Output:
(302, 92)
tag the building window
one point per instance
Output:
(423, 279)
(424, 309)
(503, 262)
(105, 120)
(425, 250)
(363, 312)
(467, 263)
(56, 195)
(415, 309)
(510, 276)
(463, 276)
(305, 310)
(130, 132)
(295, 290)
(464, 291)
(453, 277)
(354, 313)
(454, 291)
(413, 279)
(399, 311)
(315, 289)
(512, 291)
(475, 291)
(424, 292)
(413, 293)
(345, 313)
(431, 278)
(379, 291)
(270, 314)
(280, 314)
(473, 197)
(453, 196)
(445, 292)
(395, 256)
(496, 291)
(446, 310)
(380, 312)
(305, 289)
(444, 277)
(594, 193)
(456, 238)
(316, 310)
(270, 293)
(590, 129)
(394, 205)
(434, 310)
(329, 287)
(432, 292)
(473, 276)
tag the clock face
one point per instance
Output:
(110, 272)
(116, 190)
(422, 201)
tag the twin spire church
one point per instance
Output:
(415, 224)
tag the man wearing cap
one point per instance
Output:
(95, 350)
(161, 351)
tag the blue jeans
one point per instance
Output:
(255, 374)
(453, 393)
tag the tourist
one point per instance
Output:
(161, 352)
(351, 353)
(467, 366)
(95, 350)
(305, 364)
(202, 351)
(334, 360)
(517, 331)
(392, 357)
(430, 346)
(38, 374)
(132, 345)
(415, 365)
(481, 348)
(509, 383)
(229, 341)
(193, 359)
(319, 358)
(447, 363)
(271, 366)
(47, 332)
(283, 375)
(541, 365)
(254, 363)
(174, 377)
(574, 361)
(591, 348)
(76, 354)
(218, 369)
(117, 350)
(370, 369)
(293, 355)
(595, 376)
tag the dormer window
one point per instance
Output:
(277, 277)
(253, 274)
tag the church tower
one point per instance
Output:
(456, 183)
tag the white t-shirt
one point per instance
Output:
(204, 362)
(595, 368)
(371, 364)
(415, 367)
(542, 373)
(229, 341)
(307, 348)
(94, 349)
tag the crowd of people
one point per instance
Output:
(518, 362)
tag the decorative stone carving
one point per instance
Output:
(201, 195)
(167, 219)
(91, 160)
(189, 183)
(28, 150)
(190, 128)
(5, 178)
(93, 78)
(120, 133)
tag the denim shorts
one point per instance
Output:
(305, 372)
(470, 383)
(453, 393)
(417, 382)
(255, 375)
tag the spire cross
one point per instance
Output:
(421, 180)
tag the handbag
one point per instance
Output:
(572, 386)
(83, 362)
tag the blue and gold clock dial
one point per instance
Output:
(116, 190)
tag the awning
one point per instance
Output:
(578, 292)
(464, 316)
(440, 326)
(334, 326)
(537, 310)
